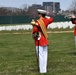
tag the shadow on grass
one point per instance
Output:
(73, 53)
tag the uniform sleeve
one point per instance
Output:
(73, 20)
(50, 20)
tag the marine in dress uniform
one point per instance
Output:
(73, 19)
(41, 40)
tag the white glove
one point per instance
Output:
(47, 17)
(72, 16)
(32, 22)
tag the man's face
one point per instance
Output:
(39, 15)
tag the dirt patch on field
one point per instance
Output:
(60, 31)
(31, 33)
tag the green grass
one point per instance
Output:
(17, 55)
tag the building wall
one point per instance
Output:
(52, 6)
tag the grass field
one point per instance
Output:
(17, 55)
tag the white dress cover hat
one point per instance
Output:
(41, 11)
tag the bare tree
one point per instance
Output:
(73, 6)
(24, 6)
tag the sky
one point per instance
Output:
(64, 4)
